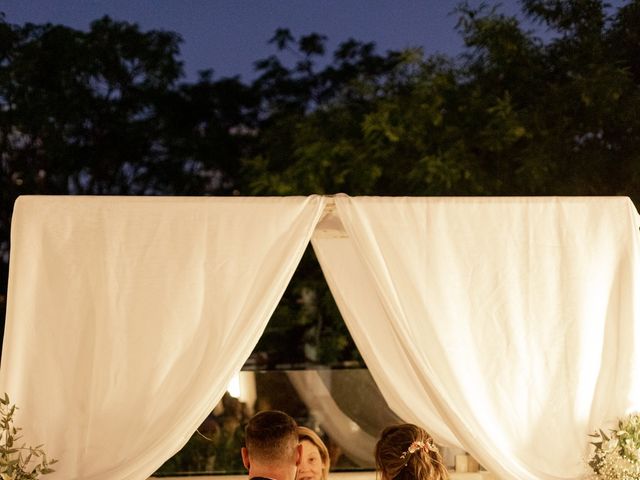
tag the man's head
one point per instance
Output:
(271, 443)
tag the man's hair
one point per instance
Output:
(271, 436)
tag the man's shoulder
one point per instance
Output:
(260, 478)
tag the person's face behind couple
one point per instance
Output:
(310, 467)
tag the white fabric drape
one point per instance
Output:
(127, 317)
(506, 325)
(353, 288)
(509, 324)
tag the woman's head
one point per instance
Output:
(315, 461)
(407, 452)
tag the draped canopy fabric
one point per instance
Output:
(506, 325)
(509, 324)
(127, 318)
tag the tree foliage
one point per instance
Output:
(512, 116)
(107, 112)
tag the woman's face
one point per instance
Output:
(310, 467)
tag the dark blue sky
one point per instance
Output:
(229, 35)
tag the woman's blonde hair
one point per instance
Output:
(305, 433)
(407, 452)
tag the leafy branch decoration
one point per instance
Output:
(19, 461)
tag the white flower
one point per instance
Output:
(618, 457)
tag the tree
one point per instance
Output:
(512, 115)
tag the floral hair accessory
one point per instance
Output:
(414, 447)
(417, 445)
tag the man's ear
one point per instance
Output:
(245, 457)
(298, 454)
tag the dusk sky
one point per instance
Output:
(229, 35)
